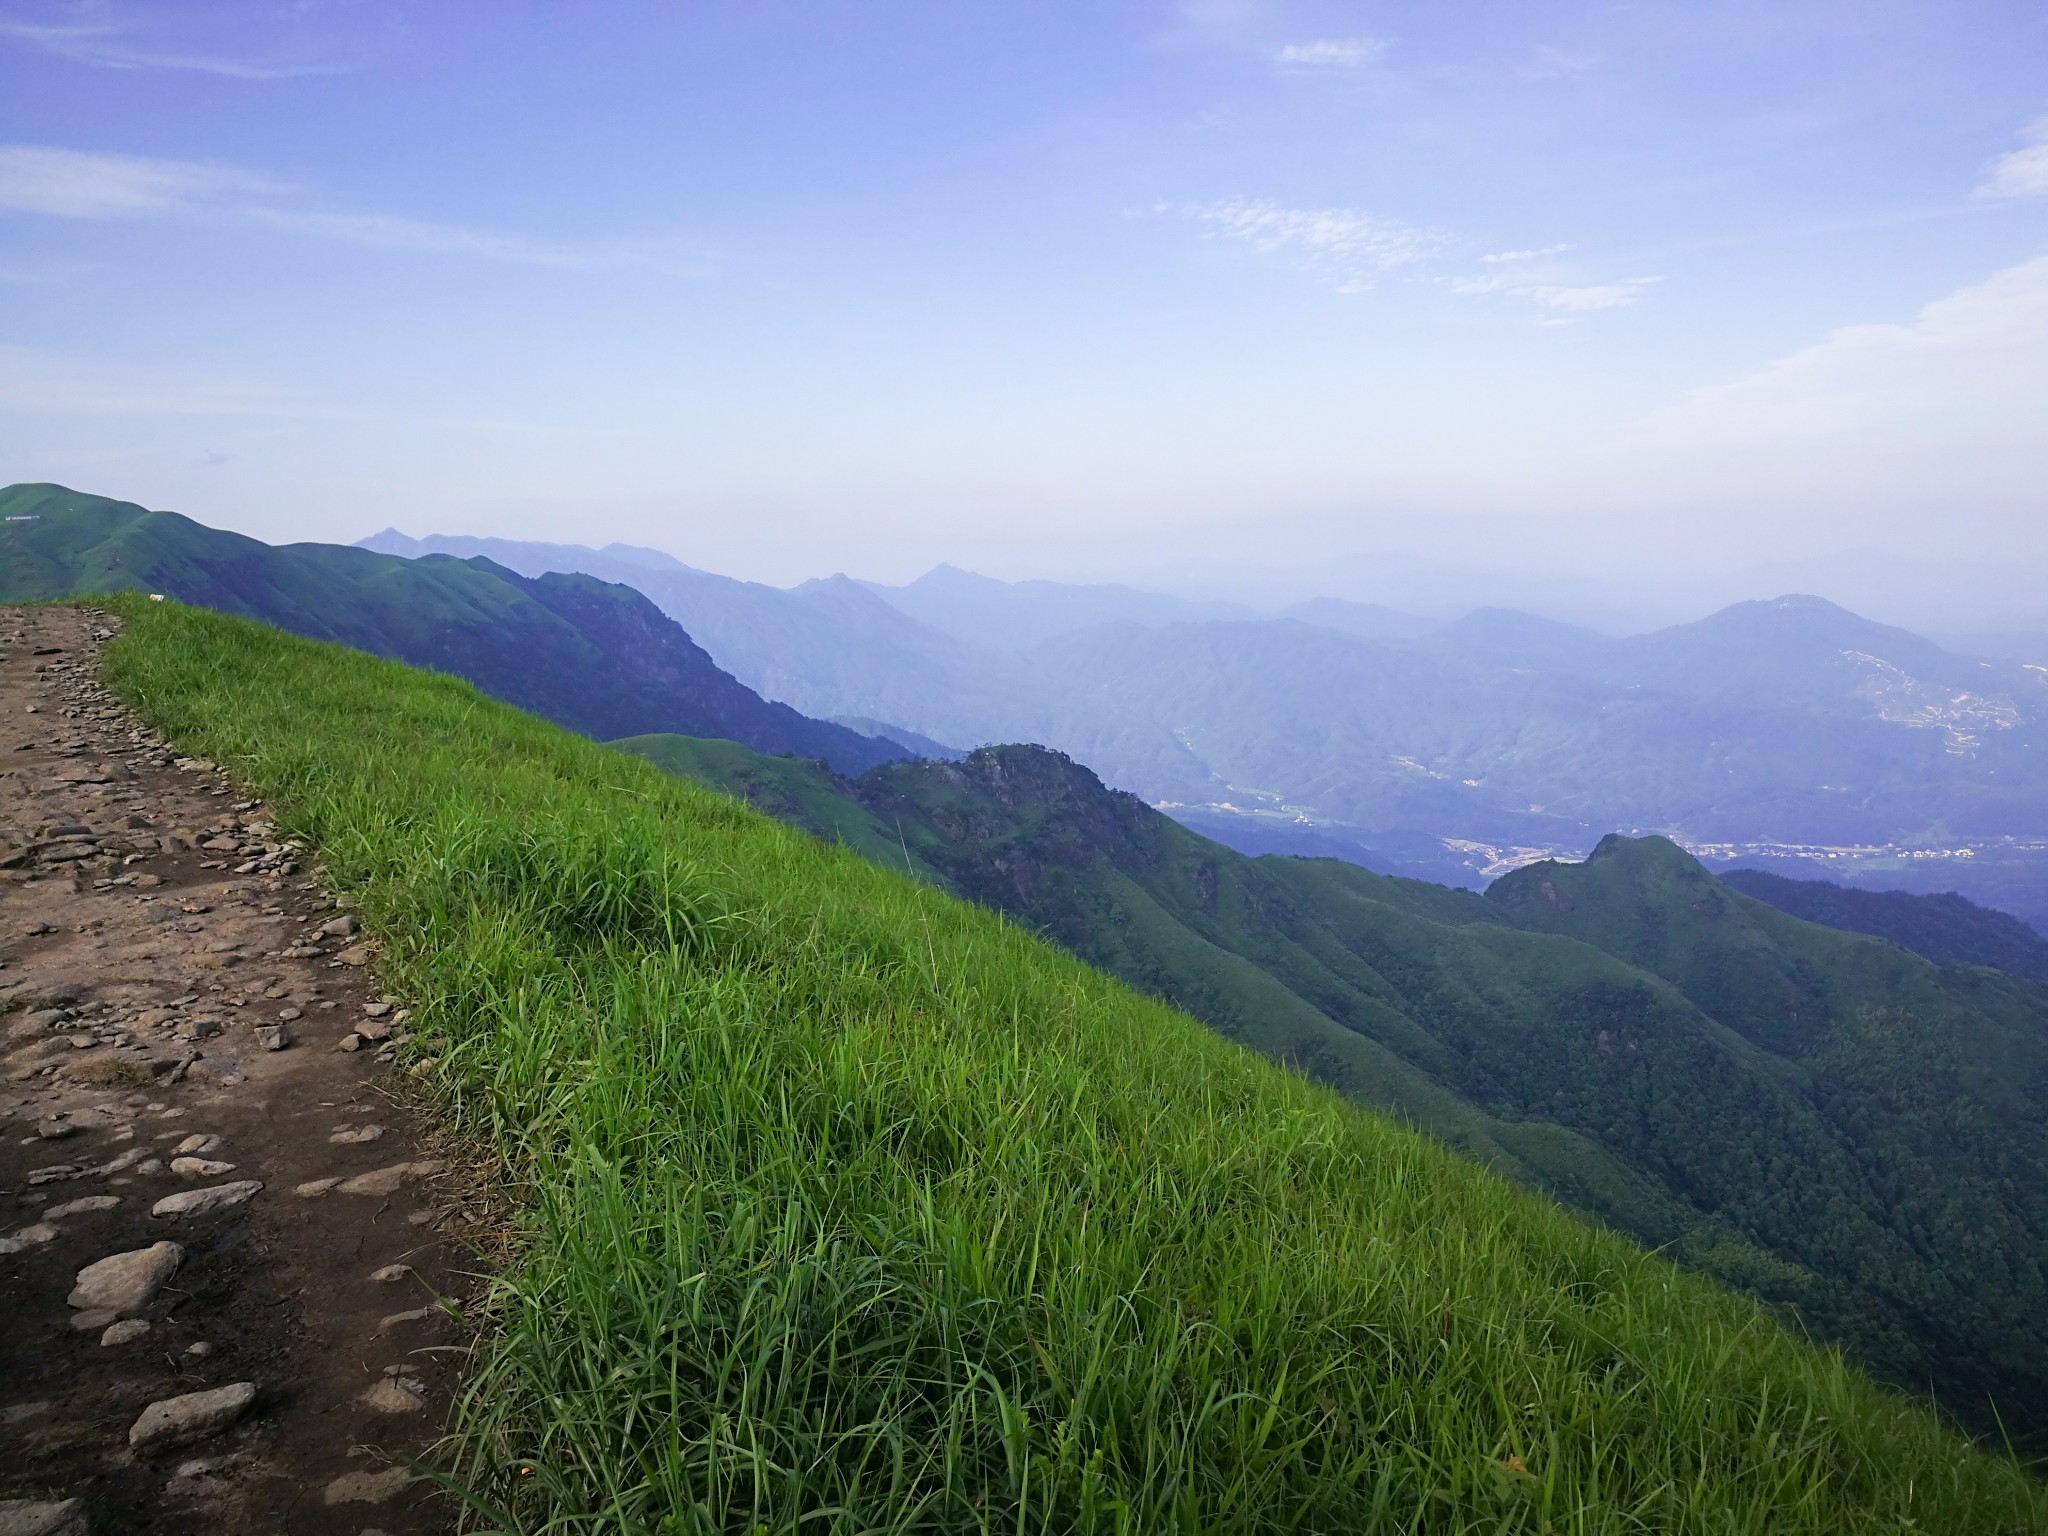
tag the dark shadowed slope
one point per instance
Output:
(597, 658)
(1943, 927)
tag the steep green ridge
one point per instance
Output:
(854, 1207)
(1943, 927)
(597, 658)
(1620, 1078)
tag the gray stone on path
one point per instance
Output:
(355, 1136)
(313, 1189)
(384, 1181)
(57, 1130)
(43, 1517)
(367, 1487)
(203, 1202)
(124, 1332)
(391, 1396)
(125, 1282)
(83, 1206)
(38, 1232)
(199, 1168)
(396, 1319)
(391, 1272)
(181, 1420)
(274, 1037)
(196, 1146)
(93, 1321)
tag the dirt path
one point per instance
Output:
(155, 933)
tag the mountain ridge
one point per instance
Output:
(596, 657)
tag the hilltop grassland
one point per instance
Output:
(849, 1206)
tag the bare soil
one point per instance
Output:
(150, 920)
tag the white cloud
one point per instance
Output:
(70, 183)
(1966, 363)
(1334, 52)
(2024, 172)
(74, 184)
(1342, 246)
(400, 234)
(114, 45)
(1928, 430)
(1548, 250)
(1565, 297)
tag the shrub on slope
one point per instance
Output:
(854, 1208)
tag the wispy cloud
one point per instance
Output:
(121, 44)
(1334, 52)
(78, 184)
(1535, 255)
(2024, 172)
(1349, 250)
(1344, 247)
(1571, 298)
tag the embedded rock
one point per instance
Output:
(181, 1420)
(203, 1202)
(125, 1282)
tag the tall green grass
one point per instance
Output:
(852, 1208)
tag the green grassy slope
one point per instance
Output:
(856, 1208)
(597, 658)
(1617, 1084)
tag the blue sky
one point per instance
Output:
(1204, 291)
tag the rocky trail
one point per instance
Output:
(234, 1263)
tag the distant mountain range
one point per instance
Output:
(1944, 928)
(597, 658)
(1824, 1119)
(1788, 729)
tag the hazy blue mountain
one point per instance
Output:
(2000, 645)
(910, 741)
(1506, 637)
(1368, 621)
(1767, 726)
(829, 648)
(1015, 615)
(1790, 721)
(1946, 928)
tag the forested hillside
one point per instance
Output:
(1827, 1121)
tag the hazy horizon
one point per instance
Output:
(1609, 311)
